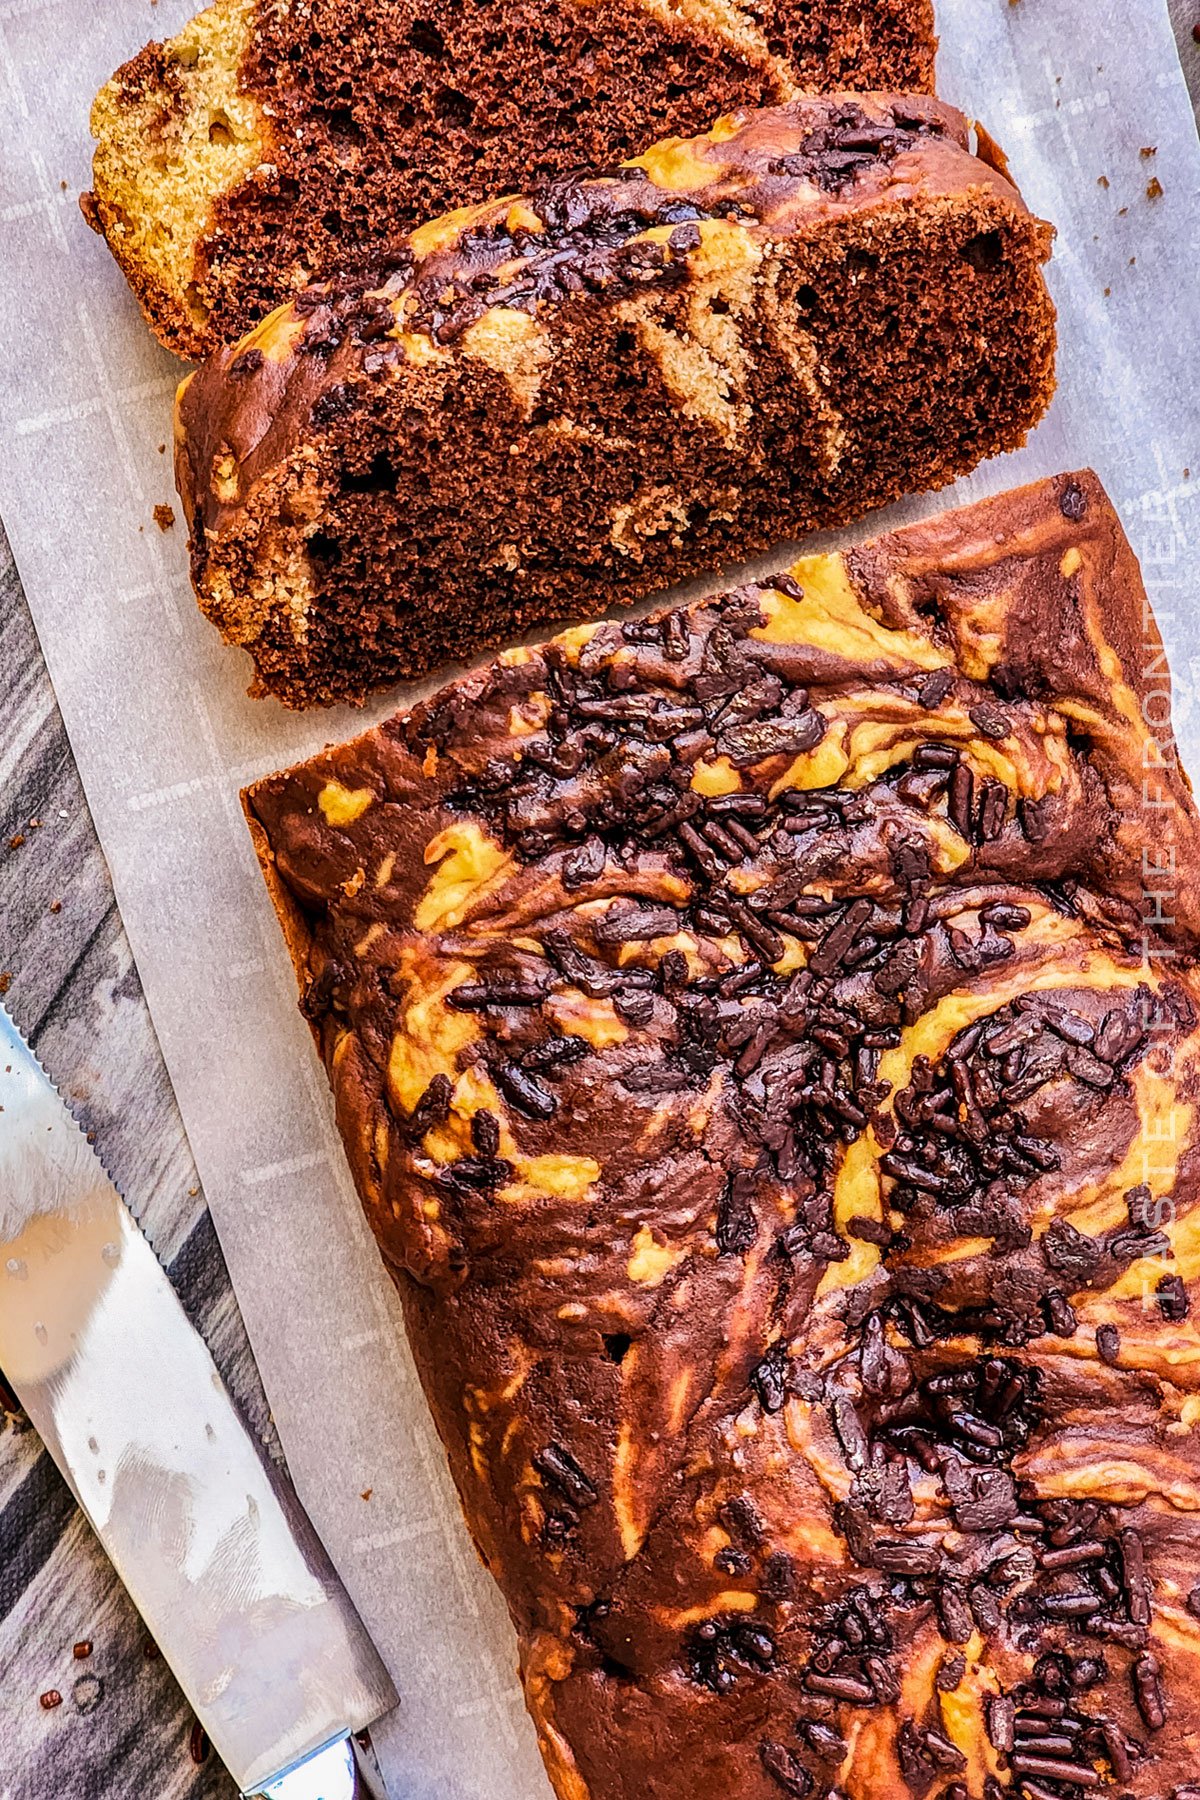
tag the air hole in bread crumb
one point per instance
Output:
(379, 478)
(616, 1346)
(344, 125)
(196, 305)
(425, 37)
(324, 550)
(984, 251)
(453, 107)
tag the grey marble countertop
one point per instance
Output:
(122, 1730)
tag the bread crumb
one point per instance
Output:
(50, 1699)
(5, 980)
(82, 1650)
(1104, 181)
(1149, 150)
(162, 449)
(1154, 189)
(366, 1493)
(164, 516)
(56, 906)
(16, 840)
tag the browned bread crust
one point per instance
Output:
(271, 142)
(765, 1037)
(544, 406)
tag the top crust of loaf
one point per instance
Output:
(770, 1073)
(267, 143)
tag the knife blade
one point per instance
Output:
(211, 1542)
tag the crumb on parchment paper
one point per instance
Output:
(164, 516)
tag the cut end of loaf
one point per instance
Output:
(175, 132)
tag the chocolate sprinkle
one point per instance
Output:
(786, 1769)
(559, 1468)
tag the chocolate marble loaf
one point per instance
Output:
(765, 1038)
(551, 404)
(272, 141)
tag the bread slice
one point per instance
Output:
(547, 405)
(766, 1040)
(269, 142)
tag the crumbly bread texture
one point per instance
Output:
(550, 404)
(765, 1039)
(272, 140)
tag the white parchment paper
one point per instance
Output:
(164, 737)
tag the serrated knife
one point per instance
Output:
(224, 1567)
